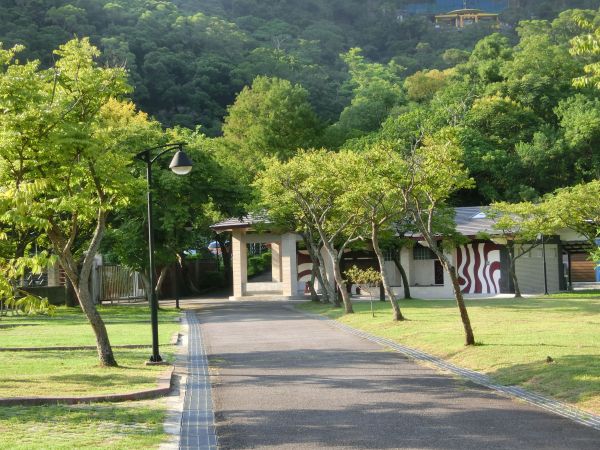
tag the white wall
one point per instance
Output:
(530, 270)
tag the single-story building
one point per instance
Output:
(482, 264)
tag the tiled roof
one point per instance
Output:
(240, 222)
(471, 220)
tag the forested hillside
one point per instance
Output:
(189, 58)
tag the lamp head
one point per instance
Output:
(181, 163)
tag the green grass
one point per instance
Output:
(69, 327)
(51, 372)
(515, 337)
(128, 425)
(131, 425)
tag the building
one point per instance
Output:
(464, 17)
(482, 264)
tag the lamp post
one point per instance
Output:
(180, 165)
(541, 236)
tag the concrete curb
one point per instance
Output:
(548, 404)
(175, 400)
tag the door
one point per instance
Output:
(438, 273)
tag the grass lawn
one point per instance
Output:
(127, 425)
(514, 337)
(51, 373)
(131, 425)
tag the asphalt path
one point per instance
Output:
(283, 380)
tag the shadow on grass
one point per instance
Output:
(108, 380)
(6, 326)
(571, 377)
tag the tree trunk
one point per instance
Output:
(161, 279)
(328, 290)
(146, 283)
(464, 315)
(103, 346)
(315, 267)
(397, 314)
(81, 285)
(460, 302)
(337, 273)
(311, 285)
(405, 285)
(226, 255)
(512, 270)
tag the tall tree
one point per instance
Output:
(312, 184)
(66, 151)
(436, 172)
(373, 192)
(271, 118)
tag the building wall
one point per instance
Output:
(423, 272)
(530, 270)
(479, 268)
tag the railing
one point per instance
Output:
(119, 284)
(34, 279)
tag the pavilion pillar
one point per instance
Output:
(276, 262)
(289, 265)
(239, 255)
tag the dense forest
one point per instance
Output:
(242, 81)
(188, 59)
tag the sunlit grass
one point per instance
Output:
(131, 425)
(515, 337)
(77, 372)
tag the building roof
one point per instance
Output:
(472, 220)
(247, 221)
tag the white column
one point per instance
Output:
(276, 262)
(239, 256)
(289, 265)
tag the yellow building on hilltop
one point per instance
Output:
(464, 17)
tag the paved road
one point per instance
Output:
(283, 380)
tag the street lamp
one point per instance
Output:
(180, 165)
(541, 236)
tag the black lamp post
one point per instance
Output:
(541, 235)
(180, 165)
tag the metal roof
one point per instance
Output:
(247, 221)
(472, 220)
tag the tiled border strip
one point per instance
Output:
(198, 420)
(548, 404)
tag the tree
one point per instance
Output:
(373, 193)
(270, 118)
(194, 201)
(311, 185)
(376, 92)
(422, 85)
(519, 224)
(588, 45)
(66, 149)
(577, 208)
(436, 172)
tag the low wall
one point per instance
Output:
(56, 295)
(266, 287)
(428, 292)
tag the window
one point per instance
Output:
(421, 253)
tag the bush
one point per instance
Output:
(259, 264)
